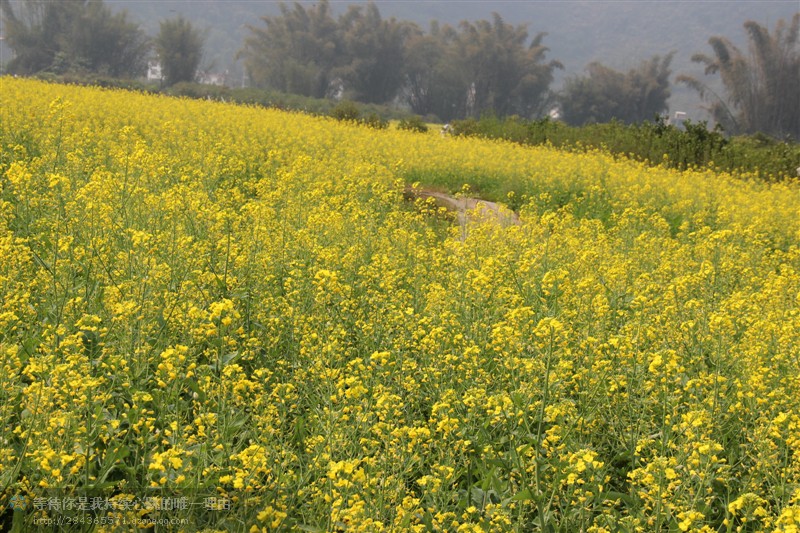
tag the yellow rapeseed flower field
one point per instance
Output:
(234, 311)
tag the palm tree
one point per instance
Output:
(761, 88)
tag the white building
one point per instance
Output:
(678, 120)
(212, 78)
(154, 71)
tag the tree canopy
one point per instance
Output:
(605, 94)
(449, 72)
(180, 49)
(761, 87)
(434, 83)
(296, 51)
(371, 69)
(73, 35)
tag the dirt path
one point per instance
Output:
(467, 209)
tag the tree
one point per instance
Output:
(506, 75)
(605, 94)
(487, 66)
(180, 48)
(296, 52)
(36, 32)
(760, 89)
(107, 43)
(73, 35)
(372, 63)
(435, 80)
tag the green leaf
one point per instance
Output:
(523, 496)
(309, 528)
(613, 495)
(18, 522)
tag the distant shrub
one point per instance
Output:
(198, 90)
(373, 120)
(413, 123)
(346, 111)
(469, 127)
(97, 80)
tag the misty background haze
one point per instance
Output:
(618, 34)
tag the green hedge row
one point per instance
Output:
(695, 146)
